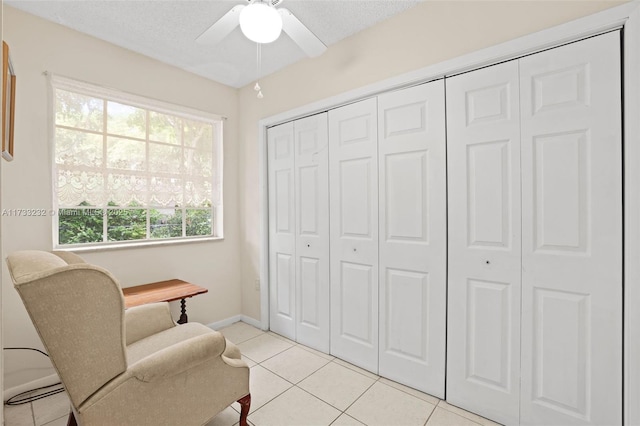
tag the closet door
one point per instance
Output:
(353, 167)
(412, 230)
(282, 232)
(572, 234)
(483, 153)
(312, 231)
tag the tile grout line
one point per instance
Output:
(284, 378)
(340, 412)
(431, 414)
(354, 370)
(55, 420)
(401, 390)
(316, 352)
(357, 399)
(464, 417)
(274, 373)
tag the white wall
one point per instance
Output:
(38, 45)
(429, 33)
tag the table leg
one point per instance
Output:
(183, 315)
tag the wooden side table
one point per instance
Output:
(163, 291)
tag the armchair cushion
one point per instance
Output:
(146, 320)
(169, 337)
(178, 358)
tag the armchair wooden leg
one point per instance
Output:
(245, 405)
(72, 420)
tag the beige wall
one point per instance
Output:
(431, 32)
(38, 45)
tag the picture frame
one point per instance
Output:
(8, 104)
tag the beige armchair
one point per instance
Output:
(133, 367)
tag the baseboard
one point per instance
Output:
(228, 321)
(43, 381)
(225, 322)
(251, 321)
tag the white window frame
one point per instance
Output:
(62, 83)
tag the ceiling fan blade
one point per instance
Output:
(223, 26)
(300, 34)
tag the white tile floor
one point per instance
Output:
(293, 385)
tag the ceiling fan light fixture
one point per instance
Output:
(260, 23)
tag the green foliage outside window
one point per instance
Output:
(85, 225)
(80, 225)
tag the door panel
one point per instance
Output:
(412, 229)
(312, 238)
(282, 230)
(572, 234)
(353, 185)
(483, 155)
(488, 335)
(488, 201)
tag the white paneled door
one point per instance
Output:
(483, 151)
(353, 183)
(572, 234)
(412, 236)
(282, 230)
(312, 231)
(299, 230)
(535, 237)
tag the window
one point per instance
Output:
(129, 169)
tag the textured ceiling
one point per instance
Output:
(166, 30)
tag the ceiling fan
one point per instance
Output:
(261, 22)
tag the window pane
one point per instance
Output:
(126, 190)
(166, 191)
(126, 224)
(125, 172)
(75, 110)
(198, 193)
(77, 226)
(198, 134)
(76, 148)
(164, 128)
(198, 222)
(165, 158)
(126, 154)
(197, 162)
(125, 120)
(77, 187)
(166, 223)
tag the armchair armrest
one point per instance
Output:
(143, 321)
(178, 358)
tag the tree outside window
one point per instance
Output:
(127, 172)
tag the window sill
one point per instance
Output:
(134, 244)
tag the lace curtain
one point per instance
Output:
(113, 154)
